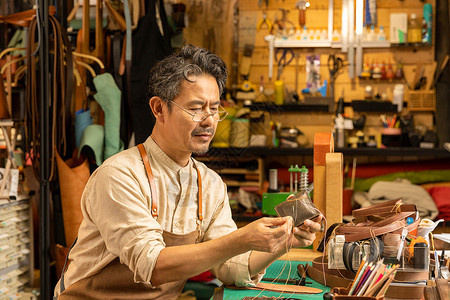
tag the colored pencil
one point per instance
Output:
(363, 278)
(371, 277)
(367, 281)
(381, 281)
(386, 285)
(358, 277)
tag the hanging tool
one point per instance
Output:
(302, 6)
(284, 23)
(287, 55)
(265, 21)
(334, 65)
(260, 3)
(295, 95)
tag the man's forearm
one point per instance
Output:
(259, 261)
(181, 262)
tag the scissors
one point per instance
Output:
(334, 65)
(287, 55)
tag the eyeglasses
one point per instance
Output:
(199, 116)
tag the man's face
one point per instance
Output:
(187, 135)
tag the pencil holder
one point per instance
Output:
(390, 137)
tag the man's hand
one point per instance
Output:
(306, 233)
(267, 234)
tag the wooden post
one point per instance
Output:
(334, 188)
(323, 144)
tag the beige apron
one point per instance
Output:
(115, 281)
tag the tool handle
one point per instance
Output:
(301, 17)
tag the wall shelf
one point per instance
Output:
(271, 107)
(266, 151)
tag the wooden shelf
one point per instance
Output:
(397, 151)
(237, 171)
(242, 183)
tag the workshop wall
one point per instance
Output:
(412, 58)
(316, 18)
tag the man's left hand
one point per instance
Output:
(306, 233)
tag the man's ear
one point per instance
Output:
(157, 105)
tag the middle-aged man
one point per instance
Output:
(154, 216)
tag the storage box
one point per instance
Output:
(421, 100)
(398, 28)
(270, 200)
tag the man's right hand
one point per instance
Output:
(267, 234)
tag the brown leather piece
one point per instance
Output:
(390, 217)
(288, 288)
(73, 177)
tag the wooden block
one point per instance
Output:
(319, 193)
(334, 188)
(323, 144)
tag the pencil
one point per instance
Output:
(371, 277)
(386, 285)
(382, 280)
(358, 277)
(361, 265)
(364, 277)
(366, 282)
(376, 277)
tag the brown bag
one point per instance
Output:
(72, 180)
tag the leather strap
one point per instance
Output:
(288, 288)
(331, 280)
(151, 181)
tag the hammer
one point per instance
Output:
(302, 5)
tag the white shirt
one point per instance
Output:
(117, 222)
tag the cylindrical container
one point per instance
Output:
(240, 133)
(273, 179)
(399, 91)
(427, 24)
(421, 256)
(390, 137)
(279, 92)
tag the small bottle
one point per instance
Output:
(318, 35)
(371, 36)
(336, 36)
(297, 35)
(381, 35)
(390, 72)
(324, 34)
(304, 34)
(414, 31)
(398, 94)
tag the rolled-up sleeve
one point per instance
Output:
(122, 213)
(234, 271)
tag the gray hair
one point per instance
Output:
(168, 74)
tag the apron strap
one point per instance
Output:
(151, 181)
